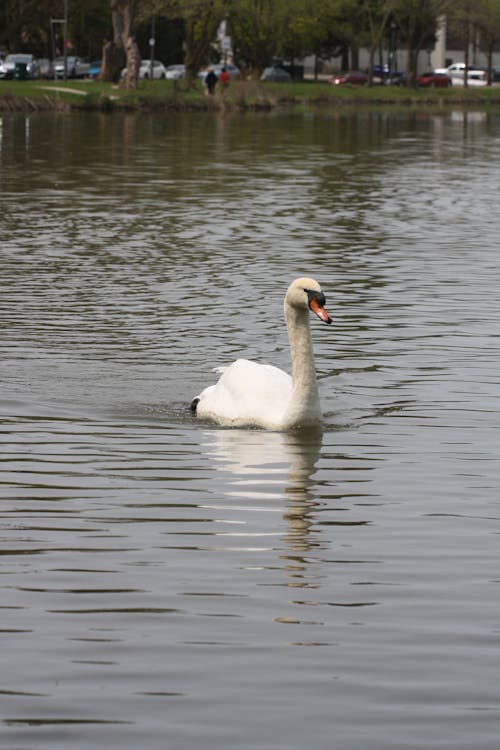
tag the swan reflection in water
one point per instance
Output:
(272, 471)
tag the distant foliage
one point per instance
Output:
(260, 31)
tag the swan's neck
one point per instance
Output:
(304, 406)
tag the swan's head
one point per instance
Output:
(306, 293)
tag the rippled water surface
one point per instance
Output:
(169, 583)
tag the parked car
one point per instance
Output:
(159, 70)
(380, 73)
(396, 79)
(175, 72)
(45, 68)
(95, 68)
(233, 71)
(477, 78)
(8, 66)
(276, 75)
(495, 75)
(76, 67)
(433, 80)
(353, 77)
(456, 71)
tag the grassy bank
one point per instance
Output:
(29, 96)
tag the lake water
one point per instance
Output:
(167, 583)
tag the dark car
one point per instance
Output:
(353, 77)
(433, 80)
(396, 79)
(380, 73)
(276, 75)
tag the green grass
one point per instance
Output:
(171, 95)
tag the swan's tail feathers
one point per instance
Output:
(220, 369)
(194, 404)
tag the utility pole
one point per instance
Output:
(152, 43)
(65, 39)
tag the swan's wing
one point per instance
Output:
(259, 384)
(247, 393)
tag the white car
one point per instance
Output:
(159, 70)
(8, 66)
(174, 72)
(75, 67)
(456, 71)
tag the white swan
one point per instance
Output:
(249, 393)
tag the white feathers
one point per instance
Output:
(248, 393)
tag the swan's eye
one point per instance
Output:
(318, 296)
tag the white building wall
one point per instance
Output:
(430, 59)
(438, 55)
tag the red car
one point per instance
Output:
(354, 77)
(434, 79)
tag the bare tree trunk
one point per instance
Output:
(491, 44)
(466, 53)
(371, 65)
(354, 57)
(344, 65)
(123, 50)
(199, 31)
(113, 60)
(133, 63)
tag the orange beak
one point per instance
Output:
(319, 310)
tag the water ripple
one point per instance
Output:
(151, 562)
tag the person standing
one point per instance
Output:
(224, 78)
(211, 81)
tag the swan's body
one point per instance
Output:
(249, 393)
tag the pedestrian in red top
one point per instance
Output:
(224, 78)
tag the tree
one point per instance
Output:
(26, 26)
(417, 22)
(89, 24)
(377, 13)
(322, 29)
(463, 16)
(123, 48)
(200, 19)
(257, 29)
(487, 20)
(469, 18)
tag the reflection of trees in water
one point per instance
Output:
(257, 458)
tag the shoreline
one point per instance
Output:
(172, 96)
